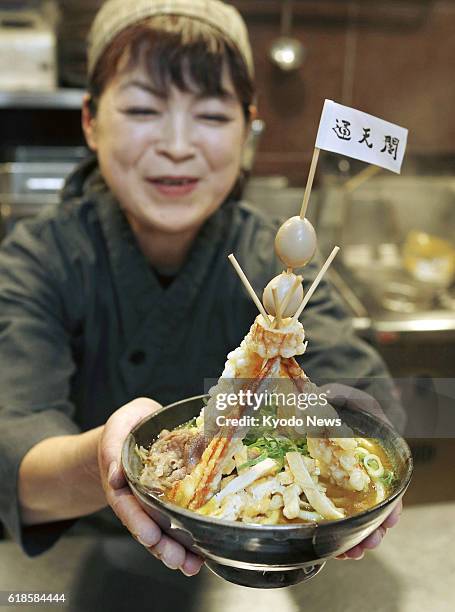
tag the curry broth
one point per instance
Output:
(353, 502)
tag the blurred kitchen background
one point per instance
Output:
(393, 59)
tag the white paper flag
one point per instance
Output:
(356, 134)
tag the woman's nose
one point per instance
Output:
(176, 139)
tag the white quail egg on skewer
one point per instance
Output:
(295, 242)
(289, 291)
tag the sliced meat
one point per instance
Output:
(172, 457)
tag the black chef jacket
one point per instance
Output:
(86, 326)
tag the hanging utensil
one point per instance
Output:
(286, 52)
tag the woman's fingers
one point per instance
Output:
(355, 553)
(192, 564)
(171, 553)
(128, 510)
(175, 556)
(120, 497)
(147, 533)
(394, 516)
(115, 431)
(358, 552)
(372, 541)
(375, 538)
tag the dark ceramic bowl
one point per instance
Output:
(262, 556)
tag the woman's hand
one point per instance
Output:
(123, 502)
(375, 538)
(342, 395)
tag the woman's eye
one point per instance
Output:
(138, 110)
(215, 118)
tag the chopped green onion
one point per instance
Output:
(276, 447)
(252, 462)
(388, 478)
(373, 465)
(361, 452)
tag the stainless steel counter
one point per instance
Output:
(58, 99)
(412, 571)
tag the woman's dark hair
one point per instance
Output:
(174, 49)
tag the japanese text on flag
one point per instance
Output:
(361, 136)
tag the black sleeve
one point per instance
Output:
(36, 368)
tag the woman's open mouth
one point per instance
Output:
(174, 185)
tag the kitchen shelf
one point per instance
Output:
(65, 99)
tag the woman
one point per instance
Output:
(124, 290)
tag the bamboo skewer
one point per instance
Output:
(309, 183)
(290, 293)
(356, 181)
(277, 305)
(315, 283)
(249, 288)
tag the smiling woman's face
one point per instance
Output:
(170, 161)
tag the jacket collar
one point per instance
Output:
(148, 314)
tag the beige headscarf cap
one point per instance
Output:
(116, 15)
